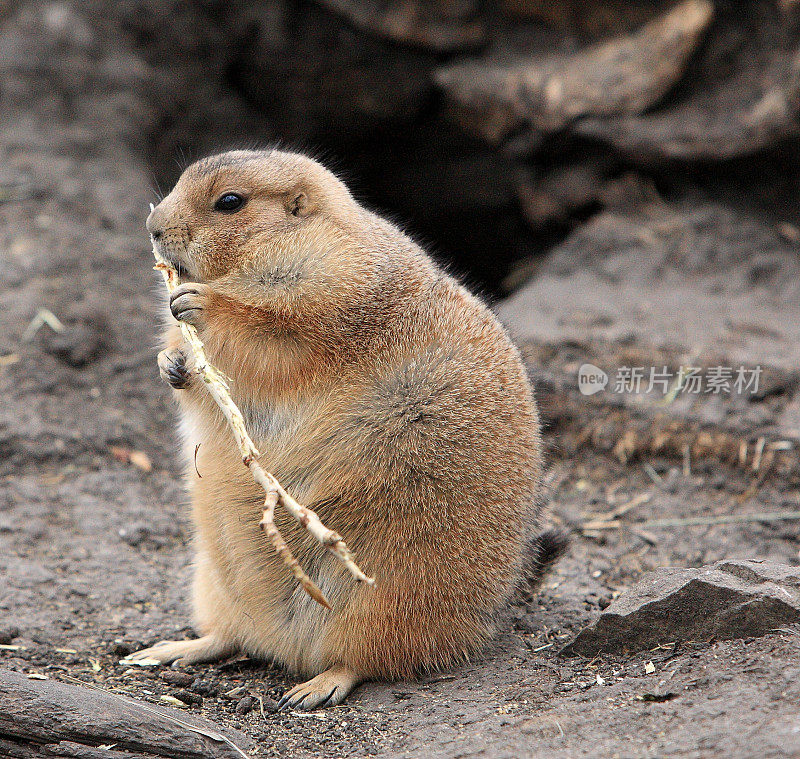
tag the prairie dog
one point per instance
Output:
(381, 393)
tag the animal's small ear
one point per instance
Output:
(299, 204)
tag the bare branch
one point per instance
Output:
(217, 386)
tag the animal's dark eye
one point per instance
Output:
(230, 201)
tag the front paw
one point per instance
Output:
(189, 303)
(173, 365)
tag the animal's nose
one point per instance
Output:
(154, 223)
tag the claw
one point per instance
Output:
(174, 369)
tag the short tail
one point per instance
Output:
(547, 548)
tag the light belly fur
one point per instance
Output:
(242, 590)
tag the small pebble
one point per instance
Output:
(245, 705)
(124, 647)
(7, 635)
(135, 534)
(188, 697)
(78, 345)
(182, 679)
(204, 687)
(270, 705)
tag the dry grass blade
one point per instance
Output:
(217, 386)
(764, 516)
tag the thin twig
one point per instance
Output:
(653, 474)
(624, 508)
(43, 316)
(647, 537)
(759, 452)
(217, 386)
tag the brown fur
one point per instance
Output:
(381, 393)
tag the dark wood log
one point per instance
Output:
(50, 718)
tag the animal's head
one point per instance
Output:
(267, 215)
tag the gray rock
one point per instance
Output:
(614, 279)
(741, 97)
(626, 75)
(728, 599)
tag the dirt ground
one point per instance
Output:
(95, 550)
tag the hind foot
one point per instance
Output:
(328, 689)
(206, 649)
